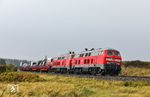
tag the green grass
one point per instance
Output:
(59, 86)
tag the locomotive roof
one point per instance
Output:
(99, 49)
(88, 51)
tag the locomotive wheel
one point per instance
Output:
(65, 70)
(78, 70)
(93, 72)
(99, 70)
(103, 73)
(116, 73)
(71, 71)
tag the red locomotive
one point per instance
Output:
(94, 61)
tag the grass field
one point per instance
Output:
(133, 71)
(58, 86)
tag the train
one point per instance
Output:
(102, 61)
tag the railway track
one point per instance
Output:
(99, 77)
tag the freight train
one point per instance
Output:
(103, 61)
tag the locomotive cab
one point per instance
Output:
(112, 62)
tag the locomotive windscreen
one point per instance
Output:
(113, 53)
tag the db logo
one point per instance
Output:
(12, 88)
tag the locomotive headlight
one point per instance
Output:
(109, 59)
(117, 60)
(108, 62)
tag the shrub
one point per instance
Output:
(136, 63)
(7, 68)
(19, 77)
(2, 68)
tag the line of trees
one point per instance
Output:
(2, 61)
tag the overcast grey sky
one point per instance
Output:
(31, 29)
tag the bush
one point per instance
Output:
(137, 63)
(7, 68)
(20, 77)
(2, 68)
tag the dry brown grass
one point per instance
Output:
(19, 77)
(135, 71)
(58, 86)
